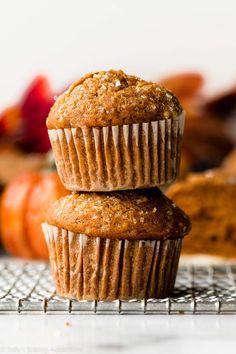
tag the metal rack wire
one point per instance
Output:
(28, 288)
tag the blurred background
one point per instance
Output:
(66, 39)
(187, 46)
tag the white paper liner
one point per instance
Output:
(118, 157)
(91, 268)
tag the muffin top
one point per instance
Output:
(202, 194)
(209, 198)
(142, 214)
(112, 98)
(207, 180)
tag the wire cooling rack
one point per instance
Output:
(28, 288)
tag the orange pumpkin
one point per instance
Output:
(23, 207)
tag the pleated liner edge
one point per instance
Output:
(118, 157)
(93, 268)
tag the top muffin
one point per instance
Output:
(108, 98)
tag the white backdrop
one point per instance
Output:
(67, 38)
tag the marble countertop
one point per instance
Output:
(117, 334)
(21, 333)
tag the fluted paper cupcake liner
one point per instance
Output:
(92, 268)
(118, 157)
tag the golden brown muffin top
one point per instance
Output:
(217, 176)
(111, 98)
(142, 214)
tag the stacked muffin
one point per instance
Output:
(112, 136)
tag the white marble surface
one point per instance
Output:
(117, 334)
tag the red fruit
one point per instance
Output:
(36, 104)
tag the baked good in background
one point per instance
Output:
(113, 245)
(13, 161)
(112, 131)
(187, 86)
(210, 128)
(209, 199)
(229, 163)
(223, 107)
(206, 142)
(223, 104)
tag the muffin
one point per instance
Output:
(206, 141)
(210, 201)
(187, 85)
(105, 246)
(112, 131)
(229, 163)
(222, 105)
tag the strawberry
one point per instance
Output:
(35, 107)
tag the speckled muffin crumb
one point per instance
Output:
(209, 198)
(144, 214)
(112, 98)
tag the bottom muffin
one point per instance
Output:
(122, 245)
